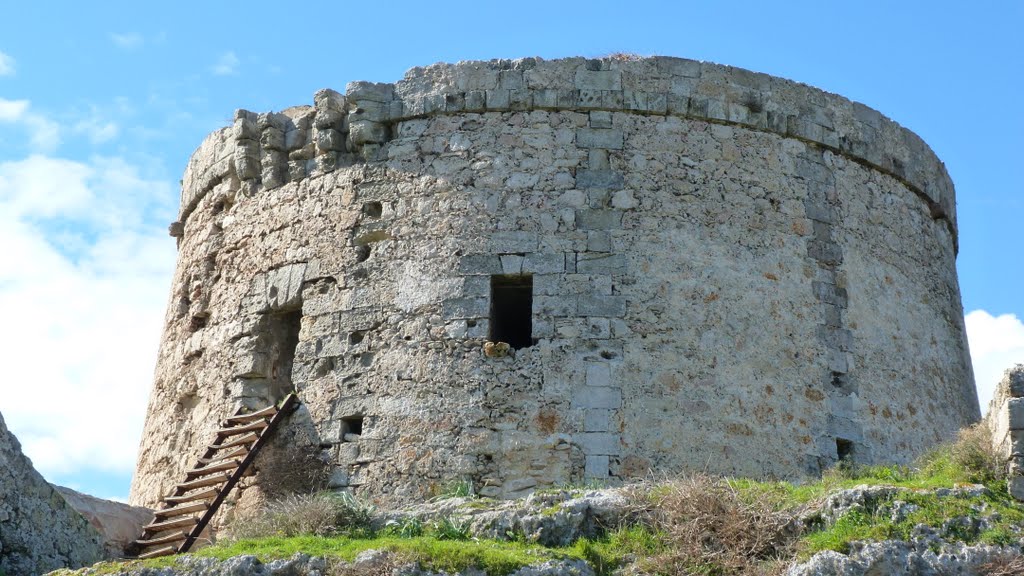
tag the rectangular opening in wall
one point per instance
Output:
(844, 450)
(352, 425)
(512, 310)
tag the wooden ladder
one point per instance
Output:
(187, 510)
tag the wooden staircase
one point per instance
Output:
(187, 511)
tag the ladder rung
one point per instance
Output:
(236, 430)
(204, 482)
(247, 439)
(207, 470)
(176, 537)
(169, 524)
(240, 418)
(204, 495)
(236, 453)
(183, 509)
(166, 551)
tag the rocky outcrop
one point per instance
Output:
(39, 531)
(119, 524)
(894, 558)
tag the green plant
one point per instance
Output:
(451, 528)
(406, 527)
(457, 489)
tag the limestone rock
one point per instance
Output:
(119, 524)
(39, 531)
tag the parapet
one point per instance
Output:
(269, 149)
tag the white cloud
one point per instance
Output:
(44, 134)
(997, 343)
(128, 40)
(97, 128)
(12, 110)
(82, 314)
(6, 65)
(226, 65)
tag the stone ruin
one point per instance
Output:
(693, 266)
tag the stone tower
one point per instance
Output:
(696, 267)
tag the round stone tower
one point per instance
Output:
(692, 267)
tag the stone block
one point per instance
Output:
(603, 397)
(338, 478)
(600, 119)
(829, 293)
(555, 305)
(476, 286)
(497, 99)
(456, 308)
(610, 138)
(1015, 485)
(330, 139)
(284, 286)
(513, 241)
(601, 305)
(601, 178)
(370, 91)
(598, 79)
(598, 443)
(544, 263)
(476, 101)
(597, 420)
(1015, 412)
(598, 219)
(600, 263)
(480, 264)
(245, 129)
(272, 139)
(1014, 378)
(545, 98)
(511, 264)
(521, 99)
(598, 374)
(366, 131)
(839, 338)
(596, 466)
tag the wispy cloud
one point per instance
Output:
(997, 343)
(6, 65)
(44, 134)
(97, 127)
(128, 40)
(83, 283)
(226, 65)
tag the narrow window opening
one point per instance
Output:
(282, 338)
(352, 425)
(844, 450)
(512, 310)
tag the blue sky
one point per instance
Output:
(101, 105)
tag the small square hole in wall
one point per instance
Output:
(512, 310)
(352, 425)
(844, 450)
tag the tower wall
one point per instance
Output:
(728, 272)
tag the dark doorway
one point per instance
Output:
(844, 450)
(512, 310)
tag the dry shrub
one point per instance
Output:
(971, 457)
(711, 529)
(318, 514)
(1006, 566)
(295, 470)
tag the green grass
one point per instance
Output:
(494, 557)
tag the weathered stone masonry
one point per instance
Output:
(727, 272)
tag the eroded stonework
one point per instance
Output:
(726, 272)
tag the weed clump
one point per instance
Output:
(711, 528)
(320, 514)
